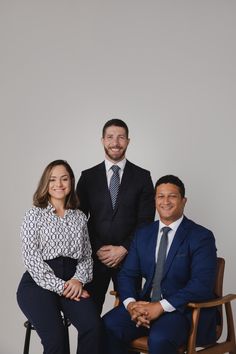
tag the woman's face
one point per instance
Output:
(59, 183)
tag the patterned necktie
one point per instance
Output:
(156, 287)
(114, 184)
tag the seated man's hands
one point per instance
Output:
(143, 312)
(138, 313)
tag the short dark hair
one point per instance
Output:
(117, 123)
(173, 180)
(41, 195)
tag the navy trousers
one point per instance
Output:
(43, 309)
(100, 283)
(166, 334)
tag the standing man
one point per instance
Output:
(118, 197)
(177, 259)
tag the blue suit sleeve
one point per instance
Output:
(202, 272)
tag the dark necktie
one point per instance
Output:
(114, 184)
(161, 257)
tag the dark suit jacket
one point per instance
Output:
(135, 204)
(189, 272)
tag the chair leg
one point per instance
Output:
(66, 323)
(67, 339)
(28, 326)
(27, 338)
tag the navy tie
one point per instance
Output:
(114, 184)
(161, 257)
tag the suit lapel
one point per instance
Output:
(127, 176)
(180, 235)
(150, 250)
(152, 246)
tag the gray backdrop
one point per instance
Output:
(166, 67)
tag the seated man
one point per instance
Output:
(177, 259)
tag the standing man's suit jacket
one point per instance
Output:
(189, 272)
(135, 204)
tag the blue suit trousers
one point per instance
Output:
(166, 334)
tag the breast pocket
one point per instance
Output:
(181, 255)
(180, 268)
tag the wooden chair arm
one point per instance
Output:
(114, 293)
(196, 308)
(212, 303)
(117, 300)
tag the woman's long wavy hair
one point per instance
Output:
(41, 196)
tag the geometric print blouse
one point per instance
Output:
(46, 236)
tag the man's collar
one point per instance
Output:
(109, 164)
(174, 225)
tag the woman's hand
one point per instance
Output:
(73, 290)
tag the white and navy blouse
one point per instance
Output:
(46, 236)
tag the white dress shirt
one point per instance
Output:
(174, 226)
(109, 164)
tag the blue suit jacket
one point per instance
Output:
(189, 272)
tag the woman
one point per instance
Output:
(57, 256)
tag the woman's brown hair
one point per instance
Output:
(41, 195)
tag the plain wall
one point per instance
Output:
(166, 67)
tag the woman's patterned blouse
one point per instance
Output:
(47, 236)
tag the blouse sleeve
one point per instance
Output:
(84, 269)
(39, 270)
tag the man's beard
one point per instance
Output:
(117, 157)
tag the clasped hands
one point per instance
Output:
(73, 289)
(143, 312)
(111, 255)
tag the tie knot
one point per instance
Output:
(115, 168)
(165, 230)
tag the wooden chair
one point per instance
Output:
(220, 347)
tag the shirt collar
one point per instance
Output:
(174, 225)
(50, 208)
(109, 164)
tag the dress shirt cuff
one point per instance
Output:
(127, 301)
(60, 288)
(167, 307)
